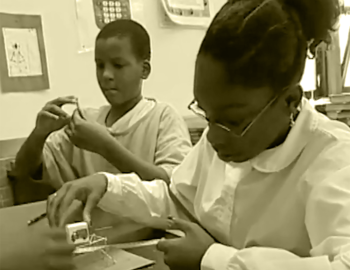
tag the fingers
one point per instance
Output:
(80, 111)
(72, 194)
(170, 248)
(59, 203)
(49, 210)
(91, 203)
(55, 110)
(73, 214)
(50, 115)
(75, 119)
(68, 131)
(63, 100)
(160, 223)
(54, 205)
(183, 225)
(71, 125)
(164, 245)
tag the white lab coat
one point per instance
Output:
(286, 209)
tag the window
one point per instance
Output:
(332, 72)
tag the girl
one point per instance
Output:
(268, 184)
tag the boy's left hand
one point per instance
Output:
(185, 252)
(87, 135)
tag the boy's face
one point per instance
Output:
(119, 72)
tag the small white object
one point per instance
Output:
(176, 233)
(118, 246)
(78, 233)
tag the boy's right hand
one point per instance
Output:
(52, 117)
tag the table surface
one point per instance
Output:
(13, 221)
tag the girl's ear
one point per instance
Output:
(146, 71)
(293, 98)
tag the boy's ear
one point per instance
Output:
(146, 71)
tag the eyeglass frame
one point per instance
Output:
(248, 127)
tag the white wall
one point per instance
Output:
(174, 52)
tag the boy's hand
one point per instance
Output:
(52, 117)
(185, 252)
(45, 250)
(87, 135)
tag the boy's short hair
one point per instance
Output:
(139, 38)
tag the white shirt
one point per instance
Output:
(286, 209)
(153, 131)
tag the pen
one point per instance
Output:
(35, 220)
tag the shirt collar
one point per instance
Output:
(280, 157)
(130, 119)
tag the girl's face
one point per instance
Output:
(234, 108)
(119, 72)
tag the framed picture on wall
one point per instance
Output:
(23, 65)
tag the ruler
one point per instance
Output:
(118, 246)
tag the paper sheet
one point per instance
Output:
(187, 4)
(22, 52)
(120, 260)
(87, 29)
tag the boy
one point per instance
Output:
(132, 134)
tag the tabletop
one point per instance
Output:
(14, 228)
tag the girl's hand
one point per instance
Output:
(89, 190)
(185, 252)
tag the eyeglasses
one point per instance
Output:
(194, 107)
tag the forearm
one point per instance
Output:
(224, 257)
(29, 157)
(127, 162)
(129, 197)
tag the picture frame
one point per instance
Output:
(25, 68)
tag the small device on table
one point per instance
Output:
(108, 11)
(78, 233)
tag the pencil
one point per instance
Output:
(35, 220)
